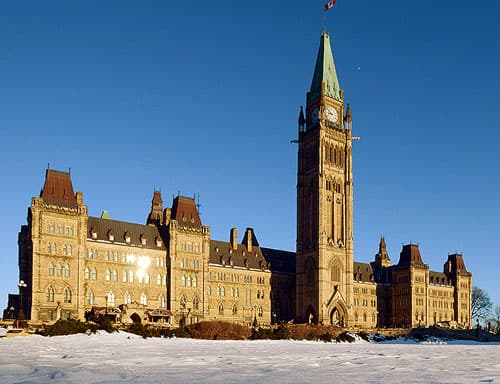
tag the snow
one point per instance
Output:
(126, 358)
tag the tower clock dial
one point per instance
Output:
(332, 115)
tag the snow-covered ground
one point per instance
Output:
(126, 358)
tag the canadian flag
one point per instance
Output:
(330, 4)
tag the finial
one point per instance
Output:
(348, 116)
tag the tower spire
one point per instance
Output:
(325, 74)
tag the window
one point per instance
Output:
(127, 298)
(107, 255)
(144, 299)
(259, 311)
(94, 274)
(110, 299)
(146, 278)
(108, 275)
(51, 269)
(124, 276)
(183, 281)
(67, 295)
(49, 248)
(65, 250)
(195, 282)
(221, 309)
(158, 279)
(234, 310)
(130, 276)
(196, 303)
(188, 281)
(66, 270)
(87, 273)
(115, 275)
(182, 302)
(59, 269)
(161, 300)
(70, 250)
(209, 291)
(49, 294)
(90, 297)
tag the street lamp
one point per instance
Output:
(21, 316)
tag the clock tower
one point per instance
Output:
(324, 264)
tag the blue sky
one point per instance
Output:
(203, 98)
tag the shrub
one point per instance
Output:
(68, 327)
(139, 329)
(326, 337)
(217, 330)
(344, 336)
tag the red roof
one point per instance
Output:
(185, 212)
(58, 189)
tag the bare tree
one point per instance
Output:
(481, 304)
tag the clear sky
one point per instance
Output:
(203, 98)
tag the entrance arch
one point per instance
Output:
(337, 317)
(135, 318)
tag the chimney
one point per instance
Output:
(234, 238)
(249, 239)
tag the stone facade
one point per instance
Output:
(170, 269)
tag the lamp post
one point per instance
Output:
(21, 315)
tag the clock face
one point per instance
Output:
(332, 114)
(315, 115)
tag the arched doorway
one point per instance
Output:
(337, 317)
(135, 318)
(310, 315)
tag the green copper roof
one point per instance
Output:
(325, 71)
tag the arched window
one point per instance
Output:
(108, 275)
(49, 248)
(146, 278)
(90, 297)
(259, 311)
(49, 294)
(195, 282)
(182, 302)
(222, 291)
(234, 310)
(158, 279)
(130, 276)
(94, 274)
(196, 302)
(54, 248)
(110, 299)
(115, 275)
(183, 281)
(51, 269)
(66, 270)
(335, 273)
(59, 269)
(70, 250)
(67, 295)
(310, 272)
(364, 317)
(188, 281)
(127, 298)
(161, 300)
(124, 276)
(221, 309)
(65, 250)
(144, 299)
(87, 273)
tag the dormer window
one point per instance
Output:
(158, 242)
(143, 240)
(93, 233)
(111, 235)
(127, 237)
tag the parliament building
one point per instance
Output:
(169, 270)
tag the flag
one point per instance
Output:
(330, 4)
